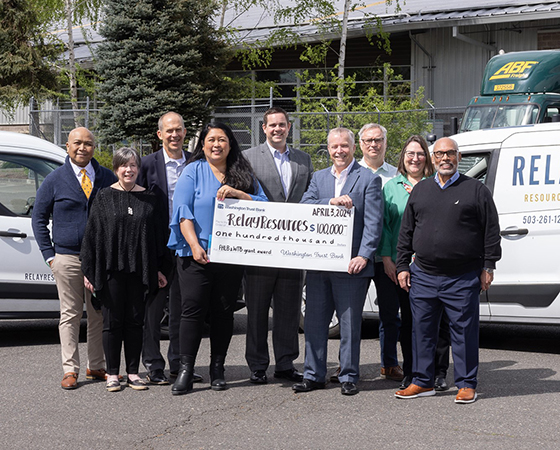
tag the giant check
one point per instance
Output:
(295, 236)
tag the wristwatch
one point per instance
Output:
(489, 270)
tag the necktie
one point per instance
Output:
(86, 183)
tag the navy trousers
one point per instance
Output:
(328, 292)
(458, 296)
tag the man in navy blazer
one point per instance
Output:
(159, 172)
(67, 194)
(284, 174)
(345, 184)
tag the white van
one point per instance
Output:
(27, 287)
(521, 167)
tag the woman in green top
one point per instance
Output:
(414, 165)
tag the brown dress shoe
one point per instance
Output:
(394, 373)
(466, 395)
(414, 391)
(100, 375)
(70, 380)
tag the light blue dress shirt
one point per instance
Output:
(449, 182)
(194, 199)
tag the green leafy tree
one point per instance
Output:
(159, 55)
(69, 13)
(388, 103)
(288, 16)
(27, 55)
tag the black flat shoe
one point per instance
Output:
(307, 385)
(348, 388)
(440, 384)
(258, 377)
(290, 374)
(137, 385)
(157, 377)
(113, 386)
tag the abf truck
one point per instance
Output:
(518, 88)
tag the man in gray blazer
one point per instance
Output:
(346, 184)
(284, 174)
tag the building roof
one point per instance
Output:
(256, 23)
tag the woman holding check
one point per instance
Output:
(217, 170)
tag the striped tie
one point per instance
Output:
(86, 183)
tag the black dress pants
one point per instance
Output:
(122, 300)
(207, 289)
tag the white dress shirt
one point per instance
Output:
(282, 161)
(173, 170)
(340, 179)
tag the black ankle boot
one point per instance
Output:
(217, 378)
(184, 381)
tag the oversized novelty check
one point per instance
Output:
(288, 235)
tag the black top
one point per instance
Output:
(452, 231)
(126, 232)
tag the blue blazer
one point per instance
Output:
(62, 196)
(153, 176)
(364, 188)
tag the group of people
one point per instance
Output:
(130, 241)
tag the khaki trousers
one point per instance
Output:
(72, 294)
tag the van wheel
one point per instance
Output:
(334, 326)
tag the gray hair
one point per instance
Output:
(341, 130)
(124, 155)
(162, 117)
(369, 126)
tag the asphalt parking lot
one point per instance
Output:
(519, 393)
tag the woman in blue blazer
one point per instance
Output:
(217, 169)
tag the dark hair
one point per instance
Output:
(239, 173)
(428, 166)
(275, 110)
(123, 155)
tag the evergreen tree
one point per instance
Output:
(159, 55)
(26, 55)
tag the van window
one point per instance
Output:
(475, 165)
(20, 177)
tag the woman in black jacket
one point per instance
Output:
(122, 261)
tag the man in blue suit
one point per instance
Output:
(160, 172)
(349, 185)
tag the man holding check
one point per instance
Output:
(346, 184)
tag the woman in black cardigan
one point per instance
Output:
(123, 259)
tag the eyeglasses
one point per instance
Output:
(371, 141)
(419, 155)
(449, 153)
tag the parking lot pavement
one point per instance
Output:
(519, 392)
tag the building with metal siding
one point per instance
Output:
(446, 44)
